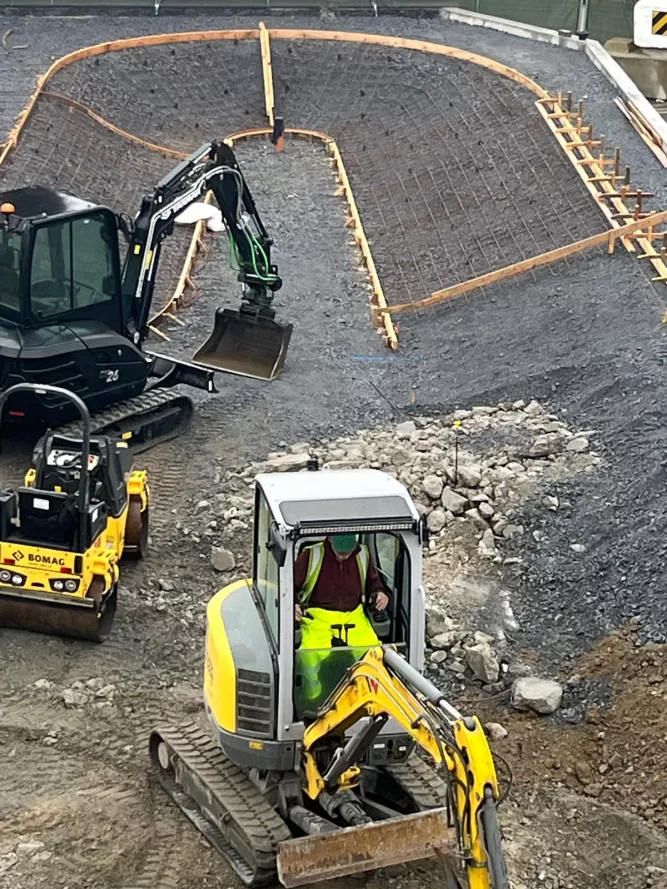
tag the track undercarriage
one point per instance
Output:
(231, 810)
(151, 418)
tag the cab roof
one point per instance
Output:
(336, 495)
(33, 202)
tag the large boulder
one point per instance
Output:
(436, 520)
(405, 430)
(288, 463)
(469, 475)
(437, 621)
(541, 695)
(483, 662)
(454, 502)
(548, 444)
(222, 559)
(433, 486)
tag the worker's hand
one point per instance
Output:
(381, 601)
(298, 613)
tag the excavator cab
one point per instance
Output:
(58, 260)
(346, 639)
(82, 507)
(294, 512)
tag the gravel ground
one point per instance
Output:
(584, 337)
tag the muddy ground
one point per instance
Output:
(583, 337)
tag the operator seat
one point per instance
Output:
(55, 525)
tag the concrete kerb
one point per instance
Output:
(593, 49)
(516, 29)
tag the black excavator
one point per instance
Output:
(75, 314)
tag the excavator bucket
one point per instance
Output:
(353, 850)
(248, 345)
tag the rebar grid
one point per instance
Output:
(63, 149)
(453, 175)
(453, 171)
(179, 95)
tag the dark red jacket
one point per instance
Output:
(338, 586)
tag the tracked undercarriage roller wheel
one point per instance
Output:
(136, 530)
(220, 800)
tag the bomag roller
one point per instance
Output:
(62, 535)
(306, 788)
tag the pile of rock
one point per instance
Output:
(96, 691)
(454, 484)
(468, 473)
(453, 652)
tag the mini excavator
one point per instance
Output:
(307, 789)
(75, 315)
(82, 508)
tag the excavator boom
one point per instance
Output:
(379, 686)
(248, 341)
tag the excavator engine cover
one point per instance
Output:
(245, 344)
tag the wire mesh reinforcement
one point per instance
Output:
(453, 171)
(62, 148)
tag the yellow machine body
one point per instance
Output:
(330, 788)
(51, 589)
(219, 668)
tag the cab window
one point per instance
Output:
(266, 568)
(10, 270)
(72, 266)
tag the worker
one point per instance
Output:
(334, 581)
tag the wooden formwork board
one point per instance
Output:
(602, 186)
(267, 72)
(632, 230)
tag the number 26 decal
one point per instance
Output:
(110, 376)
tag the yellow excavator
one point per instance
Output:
(306, 789)
(83, 507)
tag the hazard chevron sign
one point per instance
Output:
(659, 22)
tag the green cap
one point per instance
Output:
(344, 543)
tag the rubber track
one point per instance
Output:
(422, 782)
(235, 794)
(145, 403)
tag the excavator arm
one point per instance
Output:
(212, 167)
(384, 685)
(248, 342)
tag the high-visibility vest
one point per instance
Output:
(315, 561)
